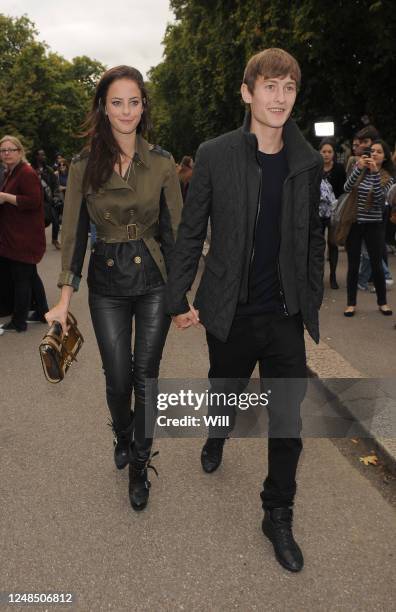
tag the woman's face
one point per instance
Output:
(124, 106)
(377, 153)
(327, 152)
(10, 154)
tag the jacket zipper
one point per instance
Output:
(256, 219)
(255, 229)
(281, 291)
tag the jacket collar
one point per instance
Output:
(300, 154)
(143, 150)
(142, 157)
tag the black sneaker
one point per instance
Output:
(9, 327)
(34, 317)
(277, 526)
(212, 454)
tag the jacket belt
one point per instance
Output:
(125, 233)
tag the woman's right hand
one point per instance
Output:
(362, 161)
(58, 313)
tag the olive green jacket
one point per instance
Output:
(147, 207)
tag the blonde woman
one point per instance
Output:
(22, 237)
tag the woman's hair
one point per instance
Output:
(104, 151)
(387, 164)
(187, 161)
(64, 162)
(15, 141)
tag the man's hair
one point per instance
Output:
(271, 63)
(369, 131)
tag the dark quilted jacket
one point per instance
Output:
(225, 189)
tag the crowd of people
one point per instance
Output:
(367, 169)
(369, 176)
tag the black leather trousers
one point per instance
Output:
(126, 370)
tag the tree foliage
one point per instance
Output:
(346, 50)
(44, 97)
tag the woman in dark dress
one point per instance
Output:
(335, 174)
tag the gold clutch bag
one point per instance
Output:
(58, 351)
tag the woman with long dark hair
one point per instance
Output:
(372, 177)
(334, 173)
(129, 189)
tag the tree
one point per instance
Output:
(44, 97)
(345, 49)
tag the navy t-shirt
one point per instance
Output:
(264, 284)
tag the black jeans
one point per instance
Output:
(332, 248)
(373, 235)
(6, 288)
(26, 283)
(56, 213)
(126, 371)
(277, 343)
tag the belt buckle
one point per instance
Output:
(132, 231)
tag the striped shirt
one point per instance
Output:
(370, 182)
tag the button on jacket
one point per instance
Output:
(136, 224)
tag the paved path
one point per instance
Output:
(67, 524)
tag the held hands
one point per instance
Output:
(182, 321)
(367, 162)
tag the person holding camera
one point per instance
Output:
(372, 178)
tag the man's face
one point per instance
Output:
(356, 146)
(272, 100)
(41, 156)
(364, 144)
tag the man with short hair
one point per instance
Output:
(365, 138)
(263, 278)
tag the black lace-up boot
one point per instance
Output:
(139, 484)
(212, 454)
(277, 526)
(122, 442)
